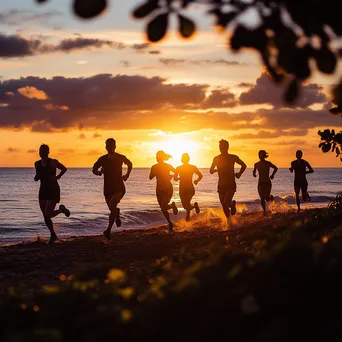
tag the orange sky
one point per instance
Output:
(99, 79)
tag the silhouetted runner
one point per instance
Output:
(49, 191)
(164, 189)
(114, 187)
(184, 173)
(299, 167)
(264, 184)
(224, 165)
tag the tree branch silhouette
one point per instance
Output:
(294, 38)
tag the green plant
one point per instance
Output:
(330, 141)
(336, 203)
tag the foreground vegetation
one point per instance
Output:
(278, 284)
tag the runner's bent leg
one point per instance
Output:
(49, 212)
(48, 221)
(268, 190)
(112, 203)
(186, 203)
(163, 200)
(226, 200)
(305, 192)
(164, 206)
(50, 209)
(297, 189)
(261, 192)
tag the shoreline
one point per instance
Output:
(242, 211)
(36, 264)
(148, 167)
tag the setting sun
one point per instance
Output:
(176, 146)
(141, 139)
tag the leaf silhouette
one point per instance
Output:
(285, 39)
(224, 19)
(335, 111)
(326, 147)
(286, 60)
(89, 8)
(292, 91)
(326, 60)
(156, 29)
(338, 138)
(238, 38)
(244, 37)
(186, 26)
(337, 95)
(185, 3)
(302, 67)
(145, 9)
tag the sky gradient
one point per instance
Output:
(72, 84)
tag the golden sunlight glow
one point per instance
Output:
(176, 146)
(82, 148)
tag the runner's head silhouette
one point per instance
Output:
(299, 154)
(224, 146)
(185, 158)
(44, 151)
(162, 156)
(110, 145)
(263, 154)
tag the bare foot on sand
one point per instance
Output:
(106, 233)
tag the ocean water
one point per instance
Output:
(81, 192)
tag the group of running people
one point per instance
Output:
(110, 166)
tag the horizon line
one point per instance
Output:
(148, 167)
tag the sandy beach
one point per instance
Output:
(200, 282)
(35, 264)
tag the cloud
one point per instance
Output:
(41, 126)
(245, 85)
(50, 106)
(18, 46)
(177, 62)
(32, 93)
(12, 150)
(270, 135)
(94, 153)
(125, 64)
(74, 101)
(219, 98)
(122, 102)
(265, 91)
(68, 45)
(297, 142)
(15, 17)
(140, 47)
(279, 120)
(66, 151)
(143, 48)
(171, 61)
